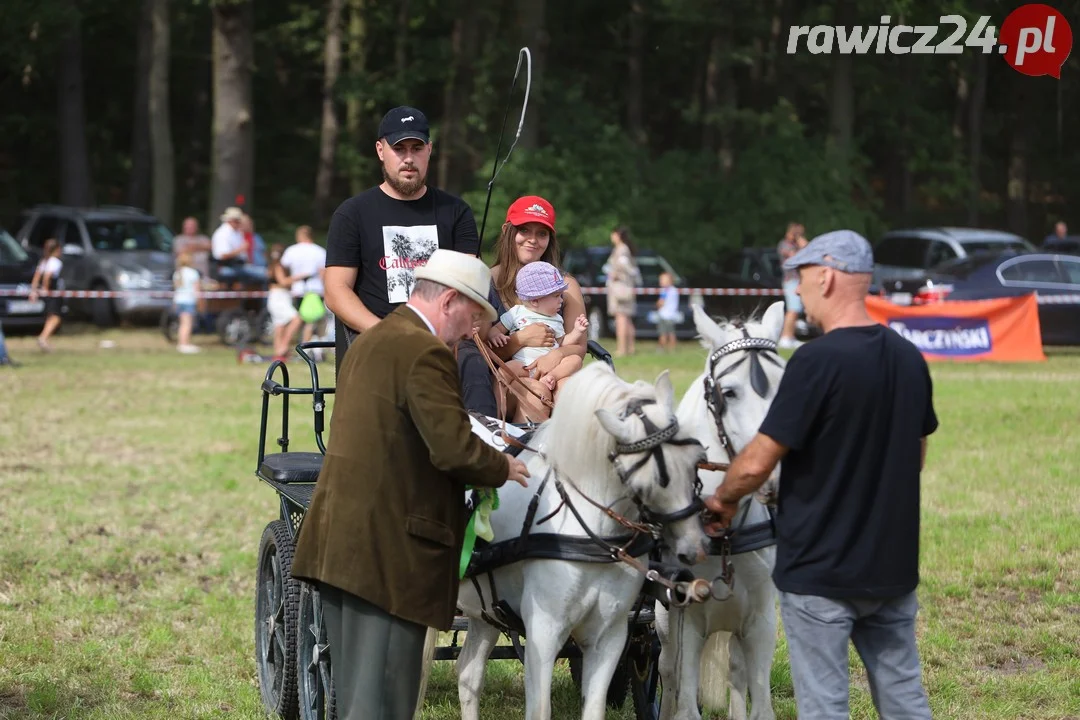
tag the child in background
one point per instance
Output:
(667, 312)
(47, 277)
(540, 285)
(186, 286)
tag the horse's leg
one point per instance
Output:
(680, 660)
(546, 634)
(668, 651)
(737, 677)
(471, 663)
(598, 663)
(759, 646)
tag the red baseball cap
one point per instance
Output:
(531, 208)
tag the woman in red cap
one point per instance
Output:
(529, 235)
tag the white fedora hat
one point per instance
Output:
(233, 213)
(465, 273)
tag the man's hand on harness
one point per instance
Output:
(518, 472)
(718, 515)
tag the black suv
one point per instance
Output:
(106, 248)
(16, 273)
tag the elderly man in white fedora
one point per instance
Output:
(383, 536)
(227, 245)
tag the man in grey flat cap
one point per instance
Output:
(850, 422)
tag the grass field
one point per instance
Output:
(131, 520)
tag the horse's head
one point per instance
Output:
(619, 441)
(727, 403)
(657, 461)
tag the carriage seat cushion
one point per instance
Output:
(291, 467)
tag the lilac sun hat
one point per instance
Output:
(539, 279)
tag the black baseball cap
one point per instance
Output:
(404, 123)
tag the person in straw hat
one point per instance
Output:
(383, 536)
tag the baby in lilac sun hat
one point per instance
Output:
(540, 286)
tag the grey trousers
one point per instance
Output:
(817, 630)
(376, 659)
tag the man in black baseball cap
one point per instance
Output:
(379, 237)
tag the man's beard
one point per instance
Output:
(407, 188)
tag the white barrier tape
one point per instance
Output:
(133, 293)
(693, 291)
(1073, 299)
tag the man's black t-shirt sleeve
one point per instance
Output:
(798, 402)
(466, 239)
(343, 241)
(930, 421)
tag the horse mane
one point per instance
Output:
(573, 439)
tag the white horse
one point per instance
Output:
(607, 442)
(693, 638)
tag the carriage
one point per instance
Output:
(292, 653)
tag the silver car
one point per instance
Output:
(903, 255)
(109, 247)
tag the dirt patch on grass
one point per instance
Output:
(1015, 665)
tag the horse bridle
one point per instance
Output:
(755, 348)
(653, 447)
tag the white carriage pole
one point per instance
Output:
(715, 666)
(430, 642)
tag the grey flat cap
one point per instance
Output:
(843, 250)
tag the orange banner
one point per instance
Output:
(1001, 329)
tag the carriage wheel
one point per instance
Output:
(277, 597)
(643, 662)
(170, 325)
(313, 670)
(234, 327)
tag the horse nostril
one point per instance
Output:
(685, 559)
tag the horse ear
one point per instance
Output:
(708, 329)
(614, 425)
(665, 392)
(773, 320)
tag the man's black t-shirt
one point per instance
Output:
(386, 239)
(852, 408)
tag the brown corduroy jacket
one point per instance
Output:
(387, 519)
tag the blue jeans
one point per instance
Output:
(3, 345)
(883, 630)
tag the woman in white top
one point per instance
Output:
(47, 278)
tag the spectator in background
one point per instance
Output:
(623, 277)
(1058, 237)
(185, 296)
(667, 312)
(793, 241)
(255, 261)
(47, 278)
(5, 359)
(227, 246)
(279, 302)
(195, 244)
(307, 261)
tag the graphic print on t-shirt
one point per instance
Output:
(405, 248)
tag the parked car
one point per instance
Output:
(1002, 274)
(106, 248)
(16, 273)
(907, 254)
